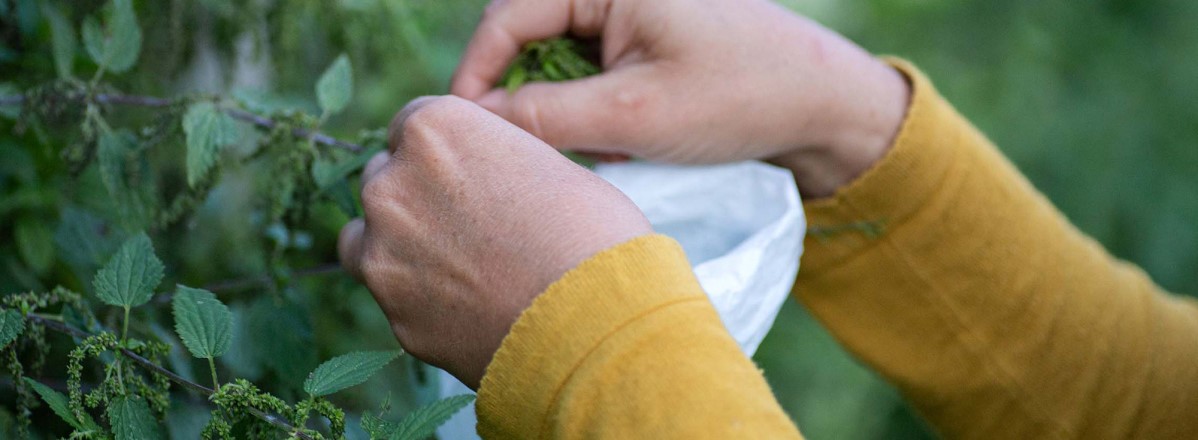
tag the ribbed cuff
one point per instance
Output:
(564, 325)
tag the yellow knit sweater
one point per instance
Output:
(941, 267)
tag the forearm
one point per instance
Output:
(946, 271)
(626, 346)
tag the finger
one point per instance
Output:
(349, 247)
(373, 167)
(508, 24)
(598, 114)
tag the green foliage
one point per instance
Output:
(62, 39)
(555, 59)
(207, 129)
(129, 278)
(33, 242)
(327, 173)
(132, 420)
(116, 45)
(203, 323)
(12, 324)
(346, 371)
(422, 422)
(336, 86)
(58, 403)
(91, 165)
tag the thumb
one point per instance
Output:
(349, 247)
(607, 113)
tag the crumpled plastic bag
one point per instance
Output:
(742, 228)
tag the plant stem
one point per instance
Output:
(272, 419)
(120, 377)
(153, 101)
(125, 327)
(212, 367)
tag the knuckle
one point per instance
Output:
(376, 193)
(430, 113)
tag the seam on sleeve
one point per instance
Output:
(1007, 381)
(553, 401)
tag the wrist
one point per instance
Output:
(860, 127)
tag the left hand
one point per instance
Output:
(467, 220)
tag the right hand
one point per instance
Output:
(696, 81)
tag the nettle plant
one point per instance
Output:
(118, 384)
(94, 179)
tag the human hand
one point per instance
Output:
(696, 82)
(466, 221)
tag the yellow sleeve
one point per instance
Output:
(948, 273)
(626, 346)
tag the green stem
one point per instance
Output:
(57, 318)
(212, 367)
(120, 378)
(125, 327)
(99, 74)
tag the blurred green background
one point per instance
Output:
(1093, 101)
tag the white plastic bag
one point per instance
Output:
(742, 228)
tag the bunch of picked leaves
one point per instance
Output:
(554, 59)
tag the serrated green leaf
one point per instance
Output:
(83, 240)
(93, 39)
(58, 403)
(207, 129)
(130, 277)
(62, 40)
(376, 427)
(114, 47)
(125, 42)
(346, 370)
(132, 420)
(12, 324)
(326, 173)
(111, 154)
(422, 422)
(203, 323)
(336, 86)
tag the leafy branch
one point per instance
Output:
(63, 328)
(262, 122)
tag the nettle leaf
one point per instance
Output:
(336, 86)
(114, 147)
(203, 323)
(132, 420)
(326, 172)
(422, 422)
(376, 427)
(58, 403)
(35, 243)
(346, 370)
(93, 39)
(116, 46)
(12, 324)
(62, 40)
(129, 278)
(207, 129)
